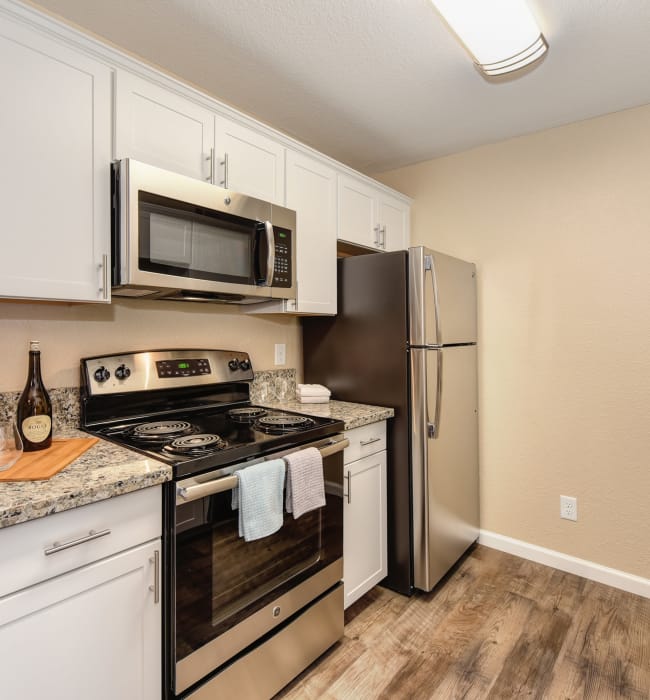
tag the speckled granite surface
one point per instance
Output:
(107, 470)
(354, 415)
(104, 471)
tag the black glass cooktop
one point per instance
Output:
(200, 440)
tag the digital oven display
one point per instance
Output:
(182, 368)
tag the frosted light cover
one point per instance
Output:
(501, 35)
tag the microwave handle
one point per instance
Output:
(270, 254)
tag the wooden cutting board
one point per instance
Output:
(33, 466)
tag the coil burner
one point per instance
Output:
(283, 423)
(246, 414)
(196, 445)
(161, 431)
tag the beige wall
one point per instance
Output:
(559, 225)
(69, 332)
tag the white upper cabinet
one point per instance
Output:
(248, 161)
(370, 217)
(162, 128)
(156, 126)
(55, 136)
(311, 191)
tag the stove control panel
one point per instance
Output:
(189, 367)
(163, 369)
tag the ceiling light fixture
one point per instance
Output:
(501, 35)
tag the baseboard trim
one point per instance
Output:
(581, 567)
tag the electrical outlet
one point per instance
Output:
(280, 353)
(568, 507)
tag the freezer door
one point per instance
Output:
(442, 293)
(444, 437)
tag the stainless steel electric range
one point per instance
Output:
(239, 617)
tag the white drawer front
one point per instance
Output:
(364, 441)
(130, 520)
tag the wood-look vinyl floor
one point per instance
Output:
(497, 627)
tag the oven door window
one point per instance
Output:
(184, 240)
(221, 579)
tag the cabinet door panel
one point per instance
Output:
(357, 212)
(311, 191)
(160, 128)
(248, 161)
(54, 188)
(92, 633)
(364, 526)
(394, 221)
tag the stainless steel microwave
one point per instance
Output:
(174, 237)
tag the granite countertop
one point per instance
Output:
(353, 415)
(107, 470)
(104, 471)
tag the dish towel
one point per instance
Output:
(259, 499)
(312, 393)
(305, 483)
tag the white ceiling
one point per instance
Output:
(381, 83)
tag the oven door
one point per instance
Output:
(227, 593)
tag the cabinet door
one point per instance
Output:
(393, 217)
(248, 162)
(357, 212)
(91, 633)
(311, 191)
(158, 127)
(55, 137)
(364, 526)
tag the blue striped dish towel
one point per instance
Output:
(259, 499)
(305, 483)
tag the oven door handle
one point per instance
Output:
(185, 494)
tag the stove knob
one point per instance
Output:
(233, 365)
(102, 374)
(244, 364)
(122, 372)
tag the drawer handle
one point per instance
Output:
(92, 535)
(363, 443)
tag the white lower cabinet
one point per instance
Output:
(93, 631)
(364, 511)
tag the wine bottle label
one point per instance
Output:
(37, 428)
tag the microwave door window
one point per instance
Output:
(170, 240)
(178, 239)
(221, 251)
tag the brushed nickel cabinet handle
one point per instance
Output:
(155, 560)
(104, 268)
(224, 162)
(348, 478)
(60, 546)
(363, 443)
(210, 177)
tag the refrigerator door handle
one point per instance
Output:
(433, 429)
(429, 266)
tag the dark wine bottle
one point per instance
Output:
(34, 414)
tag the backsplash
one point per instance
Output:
(268, 385)
(273, 385)
(65, 406)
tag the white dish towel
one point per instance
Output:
(312, 390)
(305, 483)
(259, 499)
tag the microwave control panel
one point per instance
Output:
(282, 272)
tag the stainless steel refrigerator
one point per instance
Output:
(405, 336)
